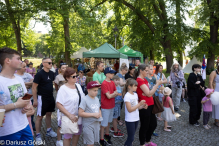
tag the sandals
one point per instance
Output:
(120, 123)
(159, 118)
(167, 130)
(169, 127)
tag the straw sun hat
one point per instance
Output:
(167, 91)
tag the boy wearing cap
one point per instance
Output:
(89, 109)
(108, 94)
(207, 107)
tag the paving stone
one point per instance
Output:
(182, 134)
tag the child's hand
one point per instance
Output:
(97, 115)
(146, 106)
(119, 94)
(142, 102)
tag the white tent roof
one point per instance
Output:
(188, 67)
(79, 53)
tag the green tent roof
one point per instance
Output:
(104, 51)
(131, 53)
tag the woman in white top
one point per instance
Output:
(67, 102)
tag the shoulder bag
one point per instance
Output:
(158, 108)
(67, 126)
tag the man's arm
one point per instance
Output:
(34, 92)
(29, 83)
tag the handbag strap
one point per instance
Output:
(78, 95)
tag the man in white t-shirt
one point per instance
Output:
(15, 129)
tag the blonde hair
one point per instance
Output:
(129, 82)
(123, 67)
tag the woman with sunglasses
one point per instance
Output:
(81, 79)
(59, 81)
(67, 102)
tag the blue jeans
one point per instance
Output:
(131, 129)
(23, 137)
(32, 122)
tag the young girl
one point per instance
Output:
(168, 113)
(207, 107)
(131, 109)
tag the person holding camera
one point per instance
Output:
(176, 76)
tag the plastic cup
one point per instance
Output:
(2, 114)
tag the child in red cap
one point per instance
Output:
(207, 107)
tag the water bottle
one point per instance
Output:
(4, 98)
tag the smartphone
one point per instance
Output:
(27, 96)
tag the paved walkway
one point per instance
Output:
(182, 134)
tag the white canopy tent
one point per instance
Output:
(188, 67)
(79, 53)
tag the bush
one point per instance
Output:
(209, 70)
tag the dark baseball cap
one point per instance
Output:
(109, 70)
(92, 84)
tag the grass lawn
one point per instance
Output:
(36, 61)
(186, 77)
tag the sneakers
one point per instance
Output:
(39, 140)
(118, 134)
(102, 143)
(107, 139)
(155, 134)
(153, 144)
(209, 126)
(183, 100)
(51, 133)
(112, 130)
(59, 143)
(206, 127)
(196, 124)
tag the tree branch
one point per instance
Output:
(98, 5)
(158, 11)
(141, 16)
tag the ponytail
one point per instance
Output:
(141, 67)
(129, 82)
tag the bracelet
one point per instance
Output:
(15, 106)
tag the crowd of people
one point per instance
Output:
(142, 91)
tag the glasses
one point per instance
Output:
(49, 63)
(74, 76)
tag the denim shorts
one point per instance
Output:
(117, 110)
(107, 115)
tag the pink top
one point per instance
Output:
(31, 71)
(166, 103)
(207, 106)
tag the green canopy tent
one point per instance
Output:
(131, 53)
(104, 51)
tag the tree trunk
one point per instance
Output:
(179, 33)
(168, 54)
(151, 54)
(213, 37)
(16, 26)
(67, 39)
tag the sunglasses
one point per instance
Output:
(49, 62)
(63, 64)
(74, 76)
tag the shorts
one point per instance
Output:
(91, 133)
(45, 104)
(107, 115)
(68, 136)
(117, 110)
(22, 137)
